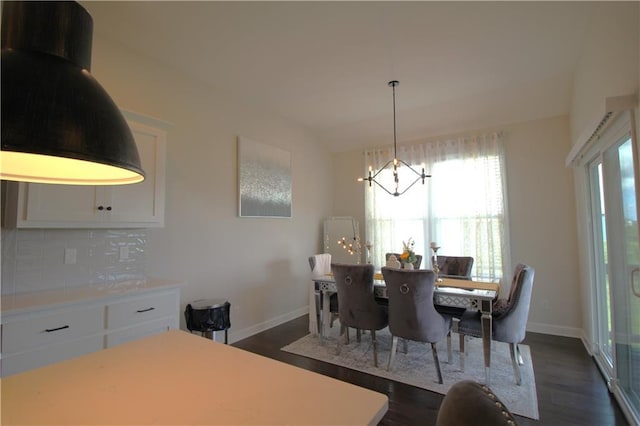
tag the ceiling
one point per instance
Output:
(326, 65)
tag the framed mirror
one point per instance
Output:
(342, 239)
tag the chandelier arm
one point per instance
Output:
(381, 169)
(412, 169)
(395, 194)
(408, 187)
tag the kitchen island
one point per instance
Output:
(180, 378)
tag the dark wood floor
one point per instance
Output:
(571, 390)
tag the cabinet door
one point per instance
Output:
(142, 203)
(138, 332)
(45, 355)
(133, 318)
(33, 205)
(31, 340)
(64, 204)
(28, 332)
(133, 311)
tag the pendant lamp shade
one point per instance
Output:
(58, 124)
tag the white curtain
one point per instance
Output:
(462, 206)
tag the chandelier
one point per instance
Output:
(396, 191)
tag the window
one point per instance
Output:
(461, 207)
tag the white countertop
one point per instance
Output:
(176, 378)
(26, 302)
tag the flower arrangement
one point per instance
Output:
(408, 255)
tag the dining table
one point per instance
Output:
(449, 292)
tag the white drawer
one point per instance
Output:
(137, 310)
(138, 332)
(49, 354)
(58, 326)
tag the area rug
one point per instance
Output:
(417, 367)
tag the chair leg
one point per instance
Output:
(375, 348)
(520, 360)
(392, 355)
(449, 350)
(343, 330)
(513, 347)
(462, 354)
(318, 298)
(437, 363)
(346, 340)
(333, 318)
(358, 334)
(405, 346)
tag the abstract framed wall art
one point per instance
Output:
(264, 180)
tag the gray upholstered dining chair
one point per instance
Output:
(358, 307)
(320, 265)
(456, 267)
(412, 315)
(416, 264)
(509, 323)
(469, 403)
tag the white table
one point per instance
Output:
(176, 378)
(472, 295)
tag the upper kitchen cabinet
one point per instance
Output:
(139, 205)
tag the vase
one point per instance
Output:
(434, 260)
(408, 265)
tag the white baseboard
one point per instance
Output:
(588, 345)
(555, 330)
(237, 335)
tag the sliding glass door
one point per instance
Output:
(625, 268)
(604, 352)
(614, 217)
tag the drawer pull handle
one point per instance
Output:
(50, 330)
(144, 310)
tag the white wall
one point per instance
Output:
(541, 214)
(609, 66)
(259, 264)
(609, 62)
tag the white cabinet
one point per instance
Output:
(132, 318)
(35, 335)
(33, 205)
(141, 330)
(33, 340)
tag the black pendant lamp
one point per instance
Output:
(58, 124)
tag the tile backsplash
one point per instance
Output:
(48, 259)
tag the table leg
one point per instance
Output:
(486, 338)
(326, 313)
